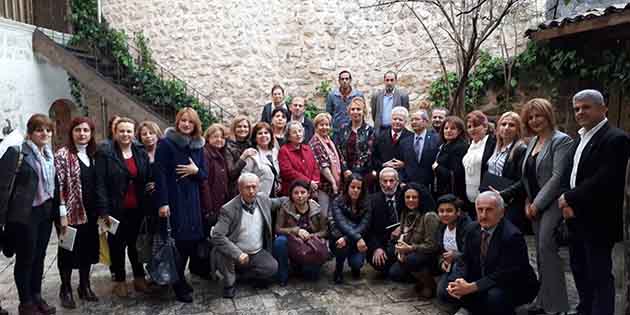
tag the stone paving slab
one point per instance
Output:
(368, 295)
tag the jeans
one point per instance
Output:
(355, 258)
(31, 252)
(281, 253)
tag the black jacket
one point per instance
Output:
(461, 227)
(344, 223)
(385, 149)
(488, 150)
(113, 178)
(597, 198)
(378, 235)
(450, 170)
(513, 164)
(16, 205)
(507, 263)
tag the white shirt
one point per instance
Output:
(585, 138)
(472, 167)
(450, 239)
(82, 154)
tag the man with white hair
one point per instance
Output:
(387, 144)
(592, 202)
(493, 276)
(243, 236)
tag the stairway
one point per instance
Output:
(107, 78)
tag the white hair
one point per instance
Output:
(247, 176)
(423, 114)
(399, 110)
(491, 194)
(591, 96)
(386, 170)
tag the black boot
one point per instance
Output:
(338, 276)
(65, 291)
(85, 291)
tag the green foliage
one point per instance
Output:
(75, 91)
(311, 109)
(324, 88)
(140, 74)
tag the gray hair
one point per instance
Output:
(386, 170)
(423, 113)
(294, 124)
(491, 194)
(247, 176)
(400, 111)
(440, 109)
(591, 96)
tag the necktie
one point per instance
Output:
(485, 241)
(249, 207)
(391, 206)
(395, 138)
(418, 147)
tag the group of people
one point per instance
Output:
(449, 197)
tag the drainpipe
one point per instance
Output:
(99, 10)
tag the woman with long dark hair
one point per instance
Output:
(76, 176)
(26, 202)
(122, 172)
(265, 162)
(448, 167)
(351, 216)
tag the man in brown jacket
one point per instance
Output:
(242, 237)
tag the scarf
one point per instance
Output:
(331, 152)
(46, 161)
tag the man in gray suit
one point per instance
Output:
(242, 237)
(385, 100)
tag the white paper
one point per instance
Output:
(66, 241)
(102, 227)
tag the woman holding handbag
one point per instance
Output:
(26, 206)
(76, 176)
(300, 223)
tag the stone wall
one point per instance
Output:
(236, 50)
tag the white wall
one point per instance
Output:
(28, 84)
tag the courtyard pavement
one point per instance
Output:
(368, 295)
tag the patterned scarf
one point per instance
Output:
(46, 160)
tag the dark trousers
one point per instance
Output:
(591, 264)
(31, 252)
(391, 259)
(350, 252)
(281, 254)
(495, 301)
(186, 250)
(401, 271)
(125, 238)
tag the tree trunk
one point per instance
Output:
(459, 98)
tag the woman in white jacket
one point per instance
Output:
(264, 163)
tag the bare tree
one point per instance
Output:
(465, 23)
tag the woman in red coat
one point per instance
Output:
(297, 160)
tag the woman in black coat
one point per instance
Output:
(448, 167)
(26, 207)
(122, 172)
(237, 150)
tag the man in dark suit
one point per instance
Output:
(593, 201)
(493, 276)
(297, 108)
(386, 206)
(384, 101)
(387, 145)
(418, 151)
(277, 101)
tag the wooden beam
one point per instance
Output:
(583, 26)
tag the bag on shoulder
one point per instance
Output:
(312, 251)
(144, 242)
(7, 239)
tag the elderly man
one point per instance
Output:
(592, 202)
(242, 237)
(339, 99)
(384, 101)
(418, 152)
(297, 109)
(387, 145)
(438, 115)
(386, 206)
(493, 276)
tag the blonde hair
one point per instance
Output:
(542, 106)
(214, 128)
(152, 126)
(321, 117)
(237, 120)
(359, 100)
(193, 116)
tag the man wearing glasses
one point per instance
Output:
(385, 100)
(338, 100)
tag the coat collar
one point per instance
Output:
(184, 141)
(313, 209)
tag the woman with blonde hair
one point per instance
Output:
(148, 134)
(329, 161)
(237, 149)
(544, 161)
(180, 173)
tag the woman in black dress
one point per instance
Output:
(76, 177)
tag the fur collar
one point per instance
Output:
(182, 140)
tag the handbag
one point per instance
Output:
(165, 261)
(312, 251)
(103, 250)
(144, 242)
(561, 234)
(7, 236)
(497, 182)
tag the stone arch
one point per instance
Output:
(61, 112)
